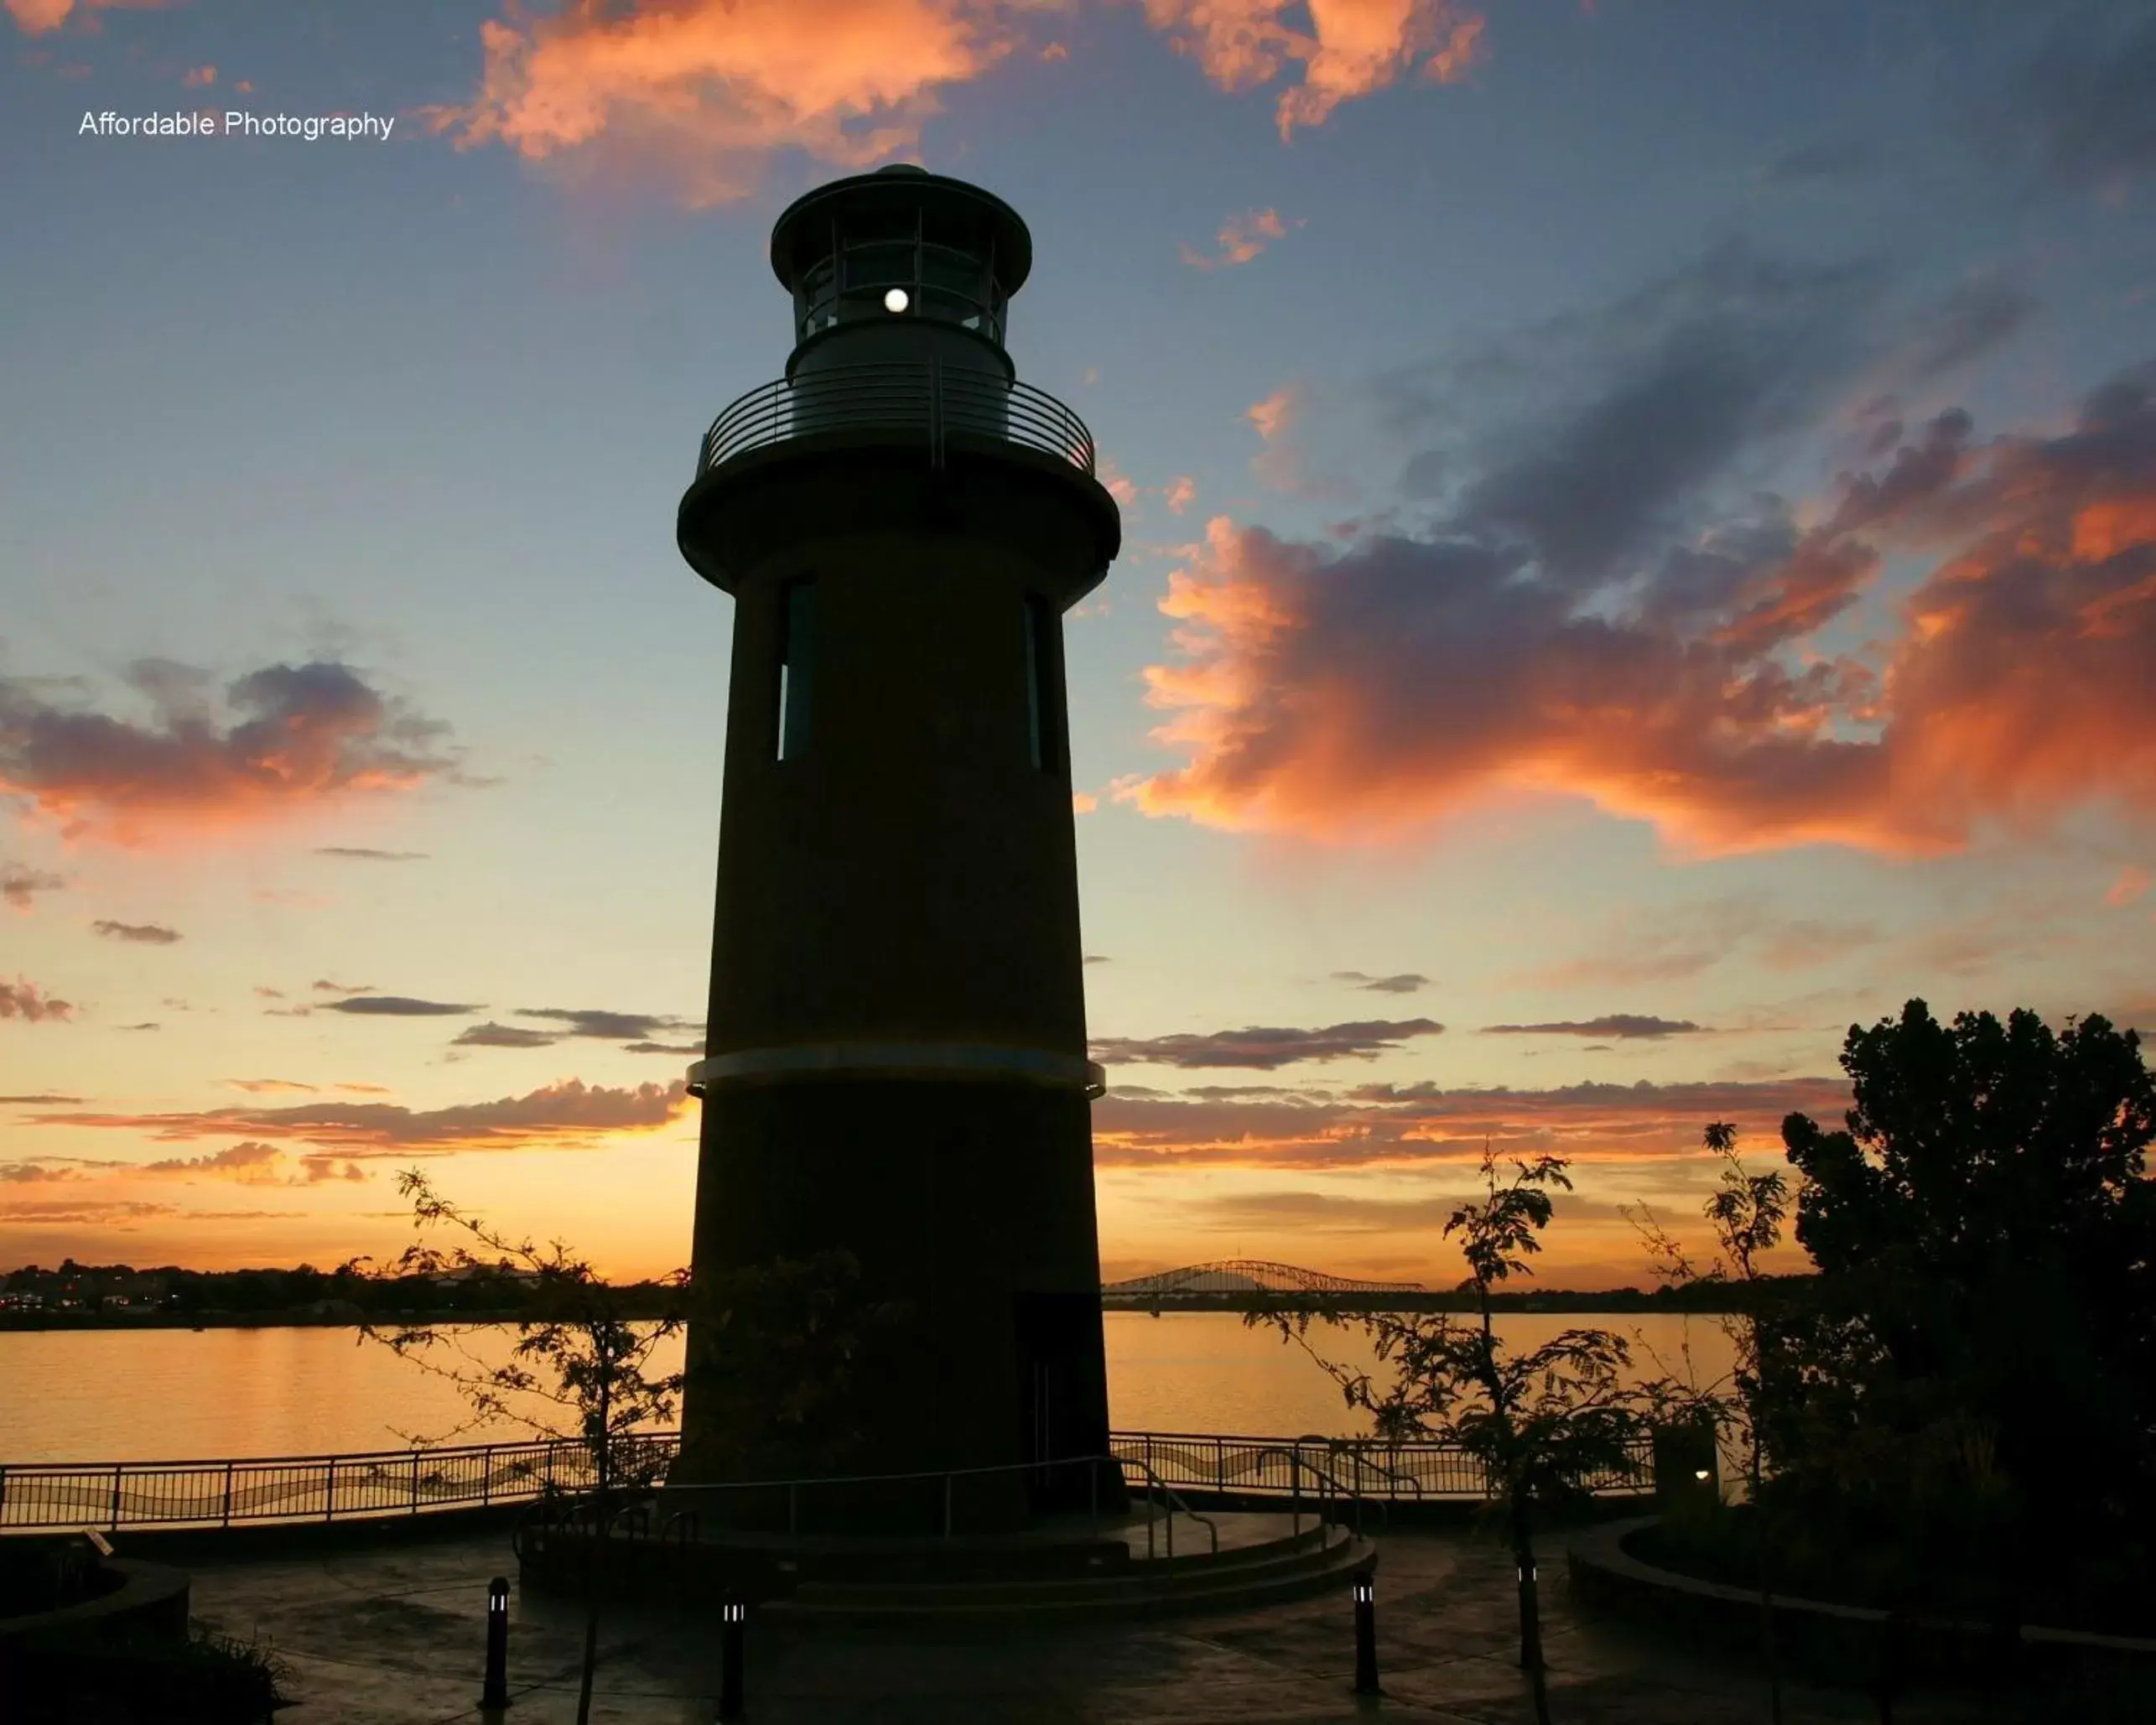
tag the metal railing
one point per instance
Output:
(1380, 1472)
(48, 1496)
(943, 1488)
(925, 399)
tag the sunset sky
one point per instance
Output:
(1640, 551)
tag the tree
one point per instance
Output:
(1747, 1211)
(578, 1360)
(1542, 1424)
(1981, 1357)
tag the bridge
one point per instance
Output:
(1230, 1277)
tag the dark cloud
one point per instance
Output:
(1406, 983)
(1964, 324)
(491, 1035)
(2085, 108)
(568, 1114)
(23, 999)
(1333, 1213)
(396, 1006)
(662, 1047)
(1831, 164)
(1627, 1025)
(142, 934)
(366, 853)
(19, 885)
(322, 986)
(146, 1026)
(283, 739)
(1404, 1124)
(613, 1026)
(1653, 398)
(1264, 1049)
(1095, 958)
(38, 1101)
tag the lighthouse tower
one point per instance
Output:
(897, 1054)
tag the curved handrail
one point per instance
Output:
(922, 397)
(1168, 1492)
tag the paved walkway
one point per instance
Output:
(396, 1636)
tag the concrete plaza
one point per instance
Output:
(394, 1635)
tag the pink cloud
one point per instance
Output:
(282, 739)
(38, 16)
(697, 92)
(1369, 694)
(1350, 49)
(23, 999)
(1241, 238)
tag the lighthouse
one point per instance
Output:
(896, 1060)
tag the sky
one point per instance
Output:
(1640, 552)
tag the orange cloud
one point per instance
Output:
(38, 16)
(1369, 694)
(1270, 416)
(563, 1115)
(696, 92)
(1351, 47)
(1182, 492)
(1241, 237)
(2132, 884)
(1277, 1127)
(200, 77)
(284, 739)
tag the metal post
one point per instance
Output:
(116, 1497)
(228, 1494)
(496, 1692)
(1220, 1465)
(415, 1482)
(330, 1491)
(487, 1475)
(1295, 1493)
(1366, 1632)
(734, 1613)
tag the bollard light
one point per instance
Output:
(1699, 1473)
(895, 300)
(495, 1693)
(732, 1615)
(1366, 1632)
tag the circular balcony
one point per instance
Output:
(914, 401)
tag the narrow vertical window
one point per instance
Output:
(797, 658)
(1040, 683)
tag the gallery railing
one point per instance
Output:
(921, 400)
(44, 1495)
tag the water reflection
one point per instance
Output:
(172, 1395)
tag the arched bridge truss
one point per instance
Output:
(1248, 1276)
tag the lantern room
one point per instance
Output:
(866, 256)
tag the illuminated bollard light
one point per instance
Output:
(496, 1694)
(1366, 1632)
(733, 1614)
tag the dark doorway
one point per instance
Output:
(1062, 1377)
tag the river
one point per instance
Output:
(169, 1394)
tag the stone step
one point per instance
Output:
(1292, 1569)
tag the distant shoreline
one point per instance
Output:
(1559, 1303)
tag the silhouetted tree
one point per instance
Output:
(1979, 1361)
(1747, 1211)
(579, 1360)
(1542, 1424)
